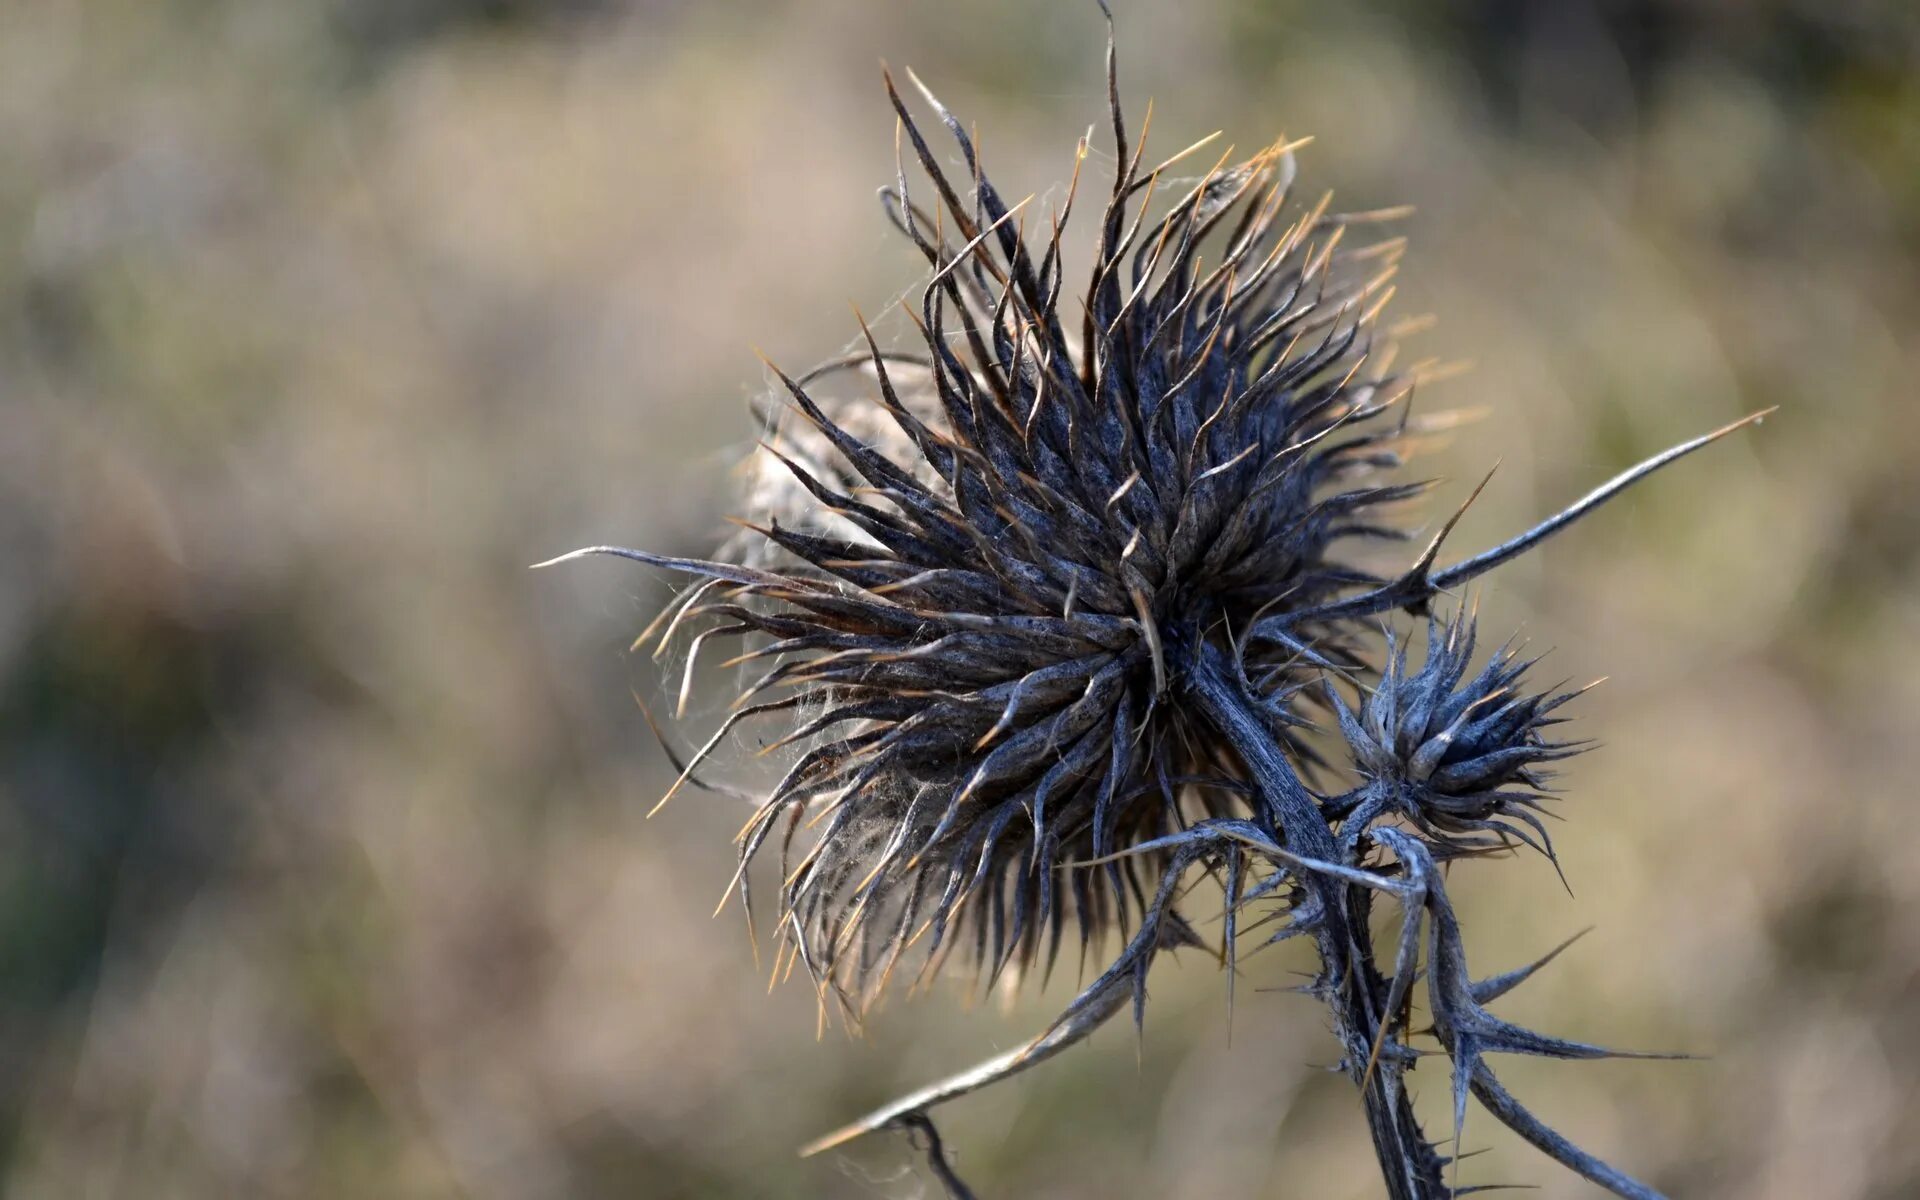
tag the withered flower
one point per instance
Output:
(1041, 610)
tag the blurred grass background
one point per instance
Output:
(322, 866)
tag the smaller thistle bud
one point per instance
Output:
(1460, 759)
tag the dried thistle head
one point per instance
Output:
(996, 563)
(984, 583)
(1041, 605)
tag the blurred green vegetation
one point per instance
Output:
(322, 866)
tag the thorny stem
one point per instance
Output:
(1349, 980)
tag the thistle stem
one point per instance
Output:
(1349, 980)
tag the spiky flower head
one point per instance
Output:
(1003, 555)
(983, 590)
(1039, 604)
(1461, 758)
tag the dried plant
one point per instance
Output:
(1050, 610)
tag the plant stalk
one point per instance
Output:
(1350, 980)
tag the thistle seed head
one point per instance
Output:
(978, 589)
(1049, 591)
(982, 582)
